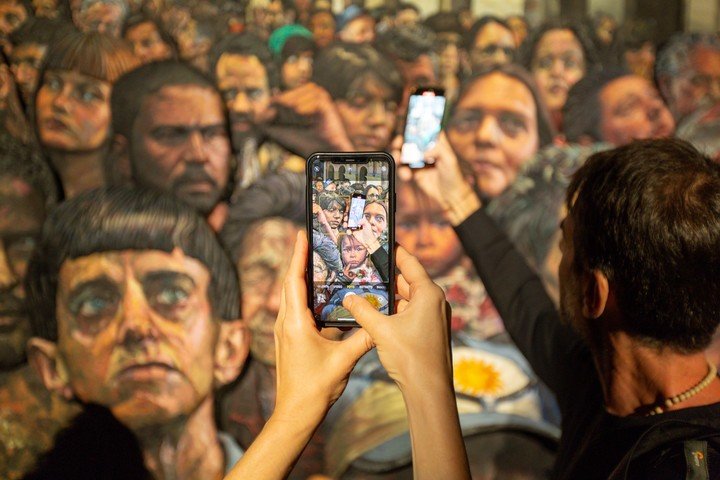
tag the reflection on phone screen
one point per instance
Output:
(424, 121)
(341, 261)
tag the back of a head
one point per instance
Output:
(406, 43)
(123, 218)
(131, 89)
(648, 216)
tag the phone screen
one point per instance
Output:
(357, 209)
(423, 124)
(349, 256)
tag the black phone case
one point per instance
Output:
(352, 158)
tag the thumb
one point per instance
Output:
(365, 314)
(358, 345)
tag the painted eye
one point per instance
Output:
(171, 296)
(95, 306)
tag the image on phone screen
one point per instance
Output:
(422, 127)
(357, 207)
(346, 259)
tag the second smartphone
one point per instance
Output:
(423, 123)
(351, 230)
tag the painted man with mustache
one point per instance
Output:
(136, 309)
(171, 133)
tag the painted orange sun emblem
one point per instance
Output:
(476, 377)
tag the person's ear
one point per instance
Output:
(596, 290)
(119, 171)
(43, 355)
(231, 351)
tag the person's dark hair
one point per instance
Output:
(131, 90)
(369, 186)
(139, 18)
(647, 215)
(123, 218)
(41, 31)
(280, 194)
(22, 161)
(546, 131)
(479, 25)
(528, 49)
(582, 109)
(326, 200)
(405, 43)
(407, 6)
(337, 68)
(444, 22)
(93, 54)
(250, 45)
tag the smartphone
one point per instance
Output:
(346, 260)
(357, 210)
(423, 123)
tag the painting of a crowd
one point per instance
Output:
(153, 184)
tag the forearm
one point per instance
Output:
(274, 452)
(438, 450)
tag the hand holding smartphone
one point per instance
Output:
(423, 123)
(342, 262)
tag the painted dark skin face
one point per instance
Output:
(180, 144)
(147, 44)
(368, 114)
(136, 333)
(422, 229)
(22, 213)
(322, 26)
(12, 15)
(262, 266)
(72, 111)
(493, 45)
(25, 61)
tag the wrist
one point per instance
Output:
(461, 203)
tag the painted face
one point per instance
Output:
(353, 253)
(376, 216)
(262, 266)
(494, 131)
(21, 217)
(334, 214)
(180, 144)
(45, 8)
(698, 83)
(73, 111)
(12, 15)
(322, 26)
(373, 193)
(558, 64)
(297, 70)
(102, 17)
(360, 30)
(631, 109)
(494, 45)
(424, 232)
(368, 114)
(244, 84)
(641, 61)
(136, 333)
(147, 44)
(25, 61)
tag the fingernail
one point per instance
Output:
(348, 294)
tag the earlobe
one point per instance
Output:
(232, 350)
(596, 290)
(43, 356)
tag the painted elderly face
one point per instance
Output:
(147, 44)
(244, 84)
(136, 333)
(180, 144)
(262, 266)
(21, 216)
(368, 114)
(424, 232)
(631, 109)
(558, 64)
(700, 82)
(494, 131)
(73, 111)
(102, 17)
